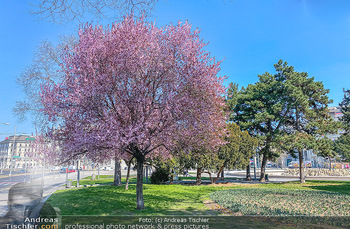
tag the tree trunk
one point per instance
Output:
(211, 180)
(199, 176)
(120, 173)
(93, 173)
(171, 176)
(263, 168)
(301, 166)
(248, 177)
(139, 183)
(221, 171)
(300, 152)
(128, 175)
(117, 172)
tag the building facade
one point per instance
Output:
(336, 114)
(15, 152)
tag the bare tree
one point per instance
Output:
(45, 68)
(67, 10)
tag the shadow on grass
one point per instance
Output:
(101, 200)
(341, 187)
(105, 179)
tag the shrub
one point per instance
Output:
(160, 176)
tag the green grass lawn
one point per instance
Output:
(100, 203)
(177, 199)
(112, 200)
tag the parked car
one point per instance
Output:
(108, 168)
(63, 170)
(69, 170)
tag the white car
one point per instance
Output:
(57, 168)
(108, 168)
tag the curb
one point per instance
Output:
(81, 186)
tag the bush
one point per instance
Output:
(160, 176)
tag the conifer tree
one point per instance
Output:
(260, 110)
(345, 109)
(287, 111)
(307, 121)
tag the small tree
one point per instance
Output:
(236, 153)
(202, 159)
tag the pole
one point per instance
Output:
(93, 171)
(254, 161)
(78, 178)
(67, 177)
(78, 174)
(25, 168)
(98, 173)
(13, 148)
(43, 174)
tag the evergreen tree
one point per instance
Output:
(245, 141)
(287, 111)
(342, 146)
(231, 99)
(236, 153)
(260, 110)
(345, 109)
(307, 120)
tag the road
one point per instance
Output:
(52, 181)
(275, 175)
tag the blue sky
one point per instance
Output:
(249, 36)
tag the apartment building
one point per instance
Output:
(15, 151)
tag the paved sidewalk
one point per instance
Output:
(51, 184)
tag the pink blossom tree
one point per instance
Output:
(44, 151)
(137, 89)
